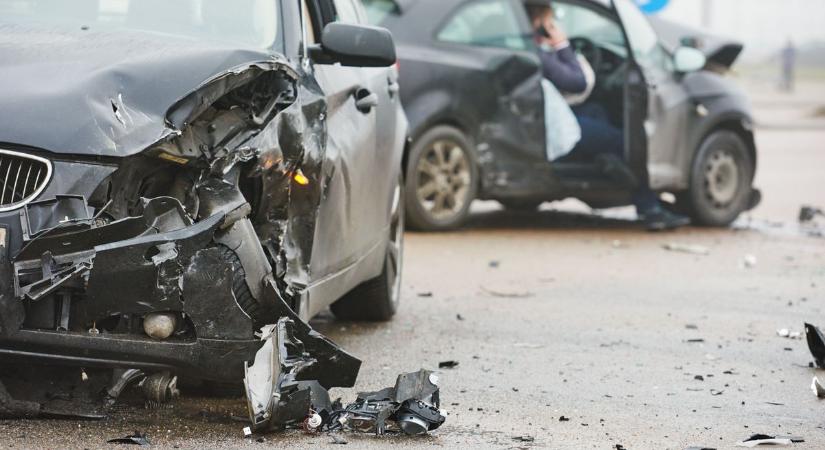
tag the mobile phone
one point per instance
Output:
(543, 31)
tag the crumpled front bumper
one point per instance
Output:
(75, 291)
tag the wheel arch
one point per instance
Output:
(737, 122)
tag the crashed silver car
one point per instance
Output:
(177, 175)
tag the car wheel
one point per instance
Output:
(720, 180)
(521, 205)
(377, 299)
(441, 180)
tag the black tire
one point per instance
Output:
(720, 180)
(520, 205)
(377, 300)
(420, 214)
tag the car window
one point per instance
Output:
(346, 11)
(246, 22)
(644, 42)
(579, 21)
(487, 23)
(378, 10)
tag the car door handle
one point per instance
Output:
(393, 88)
(365, 100)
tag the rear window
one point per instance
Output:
(485, 23)
(378, 10)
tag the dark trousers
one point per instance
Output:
(599, 136)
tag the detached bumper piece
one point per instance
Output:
(280, 397)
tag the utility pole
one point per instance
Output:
(707, 14)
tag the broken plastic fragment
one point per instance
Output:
(687, 248)
(816, 344)
(817, 387)
(764, 439)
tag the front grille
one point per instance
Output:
(22, 178)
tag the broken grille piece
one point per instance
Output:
(22, 178)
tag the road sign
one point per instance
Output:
(652, 6)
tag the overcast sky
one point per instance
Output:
(763, 25)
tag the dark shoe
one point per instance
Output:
(661, 219)
(617, 170)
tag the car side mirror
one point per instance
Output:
(688, 59)
(355, 46)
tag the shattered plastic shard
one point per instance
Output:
(817, 387)
(816, 344)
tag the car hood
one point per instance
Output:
(103, 93)
(720, 51)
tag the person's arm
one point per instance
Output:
(563, 70)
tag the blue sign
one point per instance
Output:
(652, 6)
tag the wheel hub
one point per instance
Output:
(721, 178)
(443, 178)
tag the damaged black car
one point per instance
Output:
(177, 175)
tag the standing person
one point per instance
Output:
(600, 139)
(788, 61)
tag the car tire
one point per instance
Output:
(441, 180)
(720, 180)
(377, 300)
(521, 205)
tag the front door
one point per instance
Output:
(657, 107)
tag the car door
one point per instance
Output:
(350, 222)
(492, 43)
(657, 106)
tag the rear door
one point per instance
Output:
(496, 37)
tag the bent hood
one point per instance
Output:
(720, 51)
(102, 93)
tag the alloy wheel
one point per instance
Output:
(443, 179)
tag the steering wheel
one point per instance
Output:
(591, 52)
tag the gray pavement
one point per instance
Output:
(582, 316)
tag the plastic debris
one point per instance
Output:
(749, 261)
(816, 344)
(508, 294)
(767, 440)
(809, 213)
(687, 248)
(247, 432)
(137, 438)
(447, 364)
(817, 387)
(786, 333)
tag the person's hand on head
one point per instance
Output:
(558, 37)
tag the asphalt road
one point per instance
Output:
(567, 313)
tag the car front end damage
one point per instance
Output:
(166, 261)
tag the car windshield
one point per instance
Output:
(378, 10)
(252, 23)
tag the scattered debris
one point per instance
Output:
(459, 317)
(694, 341)
(691, 326)
(137, 438)
(447, 364)
(700, 448)
(816, 344)
(764, 439)
(687, 248)
(247, 432)
(715, 392)
(425, 294)
(338, 440)
(494, 264)
(502, 294)
(817, 387)
(524, 438)
(749, 262)
(280, 396)
(699, 377)
(564, 419)
(809, 213)
(528, 345)
(786, 333)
